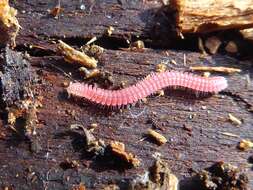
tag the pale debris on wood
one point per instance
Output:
(245, 144)
(216, 69)
(74, 56)
(9, 25)
(234, 119)
(160, 139)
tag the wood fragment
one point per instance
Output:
(118, 149)
(206, 74)
(231, 47)
(89, 73)
(204, 16)
(74, 56)
(234, 119)
(157, 177)
(247, 34)
(56, 10)
(245, 145)
(9, 26)
(212, 44)
(161, 67)
(137, 45)
(216, 69)
(230, 134)
(160, 139)
(109, 30)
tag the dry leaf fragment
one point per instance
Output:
(74, 56)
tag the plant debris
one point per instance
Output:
(160, 139)
(74, 56)
(245, 145)
(216, 69)
(222, 176)
(157, 177)
(234, 120)
(118, 149)
(9, 26)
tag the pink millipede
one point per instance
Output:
(146, 87)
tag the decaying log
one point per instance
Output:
(210, 15)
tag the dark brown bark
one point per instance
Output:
(196, 128)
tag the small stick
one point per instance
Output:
(216, 69)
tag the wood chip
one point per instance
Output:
(118, 149)
(216, 69)
(245, 144)
(160, 139)
(234, 119)
(74, 56)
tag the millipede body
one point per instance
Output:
(146, 87)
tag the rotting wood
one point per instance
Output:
(210, 15)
